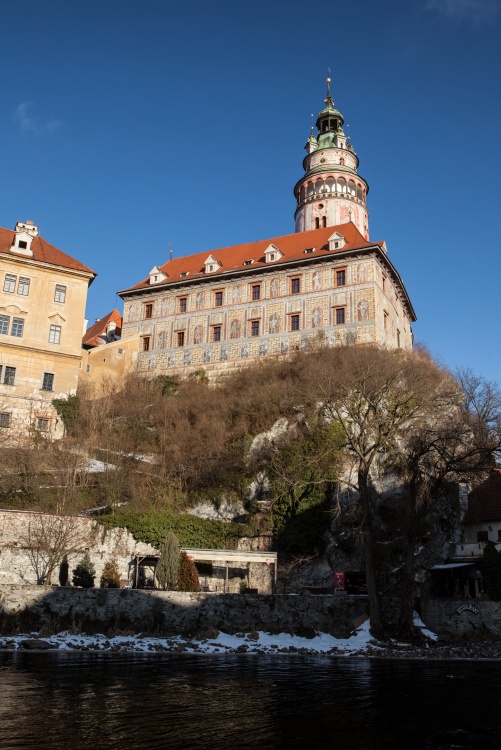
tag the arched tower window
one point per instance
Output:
(324, 221)
(317, 222)
(341, 161)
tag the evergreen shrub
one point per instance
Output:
(188, 575)
(110, 578)
(168, 566)
(84, 573)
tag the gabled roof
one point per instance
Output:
(96, 334)
(484, 502)
(292, 247)
(42, 252)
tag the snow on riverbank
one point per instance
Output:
(212, 642)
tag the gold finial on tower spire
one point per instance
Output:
(328, 100)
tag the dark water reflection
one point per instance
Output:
(93, 701)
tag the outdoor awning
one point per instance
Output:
(449, 566)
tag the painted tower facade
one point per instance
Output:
(331, 192)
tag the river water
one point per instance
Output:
(150, 702)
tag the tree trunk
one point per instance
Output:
(406, 622)
(377, 628)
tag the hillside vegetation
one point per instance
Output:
(274, 438)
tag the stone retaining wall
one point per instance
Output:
(462, 618)
(54, 609)
(19, 531)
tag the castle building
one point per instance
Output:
(327, 282)
(43, 293)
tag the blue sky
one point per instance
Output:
(128, 125)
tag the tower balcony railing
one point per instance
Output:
(327, 194)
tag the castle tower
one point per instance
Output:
(331, 192)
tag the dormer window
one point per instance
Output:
(272, 253)
(212, 265)
(336, 241)
(157, 275)
(248, 262)
(309, 250)
(184, 273)
(23, 239)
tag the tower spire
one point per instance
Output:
(329, 100)
(331, 192)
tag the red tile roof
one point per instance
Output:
(292, 247)
(93, 336)
(484, 502)
(43, 252)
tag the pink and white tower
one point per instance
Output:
(331, 192)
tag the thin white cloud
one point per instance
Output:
(478, 12)
(35, 125)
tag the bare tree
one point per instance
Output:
(376, 397)
(48, 539)
(454, 440)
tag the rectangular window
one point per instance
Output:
(48, 381)
(499, 535)
(17, 327)
(87, 369)
(146, 343)
(294, 322)
(4, 324)
(216, 333)
(398, 338)
(255, 328)
(42, 424)
(341, 277)
(385, 320)
(340, 315)
(60, 295)
(10, 283)
(148, 310)
(384, 283)
(256, 291)
(180, 338)
(55, 334)
(10, 376)
(183, 304)
(218, 299)
(295, 286)
(5, 419)
(23, 287)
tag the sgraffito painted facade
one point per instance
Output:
(327, 282)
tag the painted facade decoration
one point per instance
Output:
(331, 192)
(326, 282)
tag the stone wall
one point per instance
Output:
(20, 529)
(101, 610)
(462, 618)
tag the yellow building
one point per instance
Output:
(106, 358)
(43, 293)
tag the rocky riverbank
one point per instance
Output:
(213, 641)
